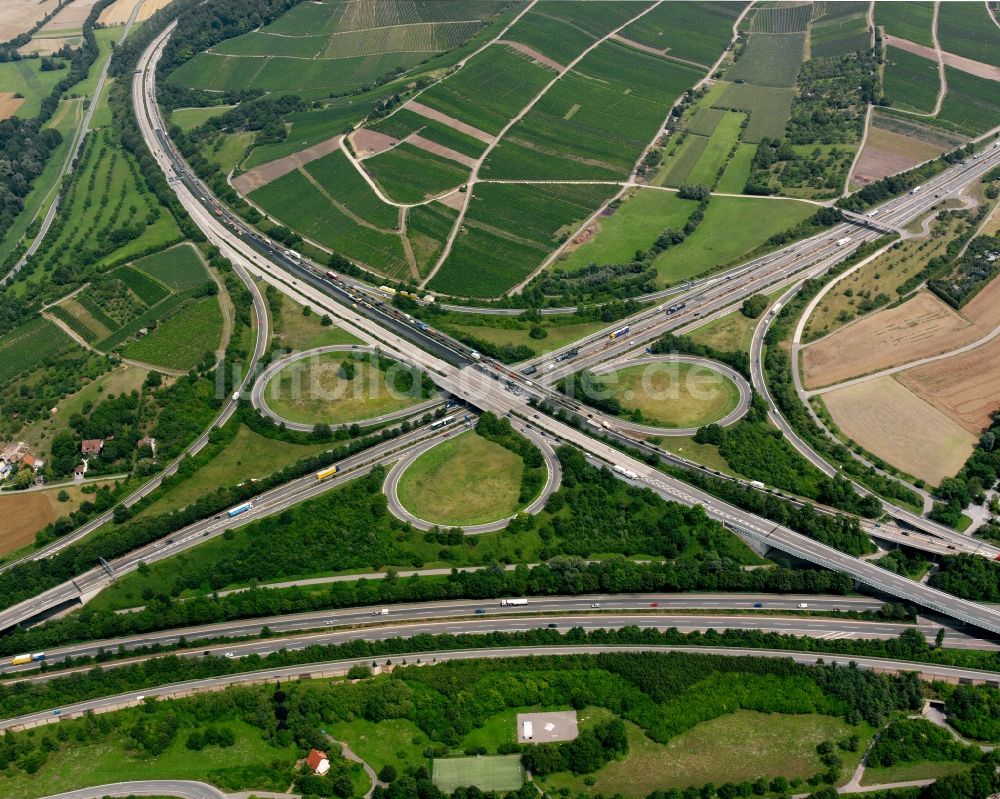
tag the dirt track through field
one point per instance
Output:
(426, 111)
(977, 68)
(261, 175)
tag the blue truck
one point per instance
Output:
(240, 509)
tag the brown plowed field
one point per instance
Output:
(9, 104)
(898, 426)
(21, 516)
(960, 63)
(533, 54)
(966, 387)
(887, 153)
(462, 127)
(370, 142)
(919, 328)
(262, 175)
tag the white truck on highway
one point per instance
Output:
(383, 612)
(844, 241)
(618, 468)
(513, 602)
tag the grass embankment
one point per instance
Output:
(673, 394)
(321, 389)
(465, 480)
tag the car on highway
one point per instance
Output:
(480, 611)
(758, 604)
(802, 605)
(654, 604)
(230, 655)
(553, 625)
(595, 604)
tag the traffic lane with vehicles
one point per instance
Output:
(553, 479)
(429, 611)
(84, 586)
(486, 396)
(926, 671)
(258, 396)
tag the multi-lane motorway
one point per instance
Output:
(487, 393)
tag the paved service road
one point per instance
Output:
(185, 789)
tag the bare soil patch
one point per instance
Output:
(20, 16)
(425, 111)
(272, 170)
(890, 420)
(966, 388)
(533, 54)
(454, 200)
(9, 104)
(919, 328)
(887, 153)
(583, 237)
(961, 63)
(370, 142)
(21, 516)
(439, 149)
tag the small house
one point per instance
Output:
(318, 762)
(91, 446)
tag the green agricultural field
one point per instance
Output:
(601, 17)
(634, 225)
(342, 182)
(967, 29)
(783, 18)
(26, 78)
(410, 175)
(182, 340)
(427, 228)
(911, 81)
(703, 167)
(596, 120)
(178, 268)
(307, 128)
(673, 394)
(315, 390)
(465, 480)
(770, 59)
(296, 202)
(490, 89)
(755, 744)
(839, 36)
(694, 32)
(733, 226)
(907, 20)
(27, 346)
(735, 178)
(562, 40)
(769, 108)
(189, 118)
(508, 231)
(681, 160)
(405, 122)
(972, 104)
(495, 773)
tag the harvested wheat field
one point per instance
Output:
(886, 418)
(20, 16)
(149, 8)
(71, 16)
(966, 387)
(21, 516)
(119, 11)
(919, 328)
